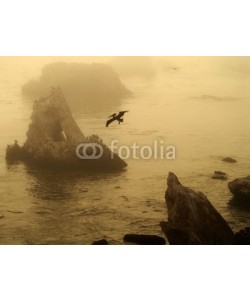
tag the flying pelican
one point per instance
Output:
(116, 117)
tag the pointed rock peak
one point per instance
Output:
(192, 219)
(172, 179)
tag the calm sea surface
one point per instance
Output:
(204, 114)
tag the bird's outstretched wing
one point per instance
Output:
(121, 113)
(112, 116)
(109, 121)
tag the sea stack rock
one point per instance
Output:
(192, 219)
(53, 137)
(240, 187)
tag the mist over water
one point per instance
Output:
(199, 105)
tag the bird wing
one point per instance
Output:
(121, 113)
(109, 121)
(112, 116)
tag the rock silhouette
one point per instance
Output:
(53, 137)
(192, 219)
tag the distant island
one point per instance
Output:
(89, 82)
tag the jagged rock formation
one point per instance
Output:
(192, 219)
(93, 82)
(53, 137)
(240, 187)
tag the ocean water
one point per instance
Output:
(200, 109)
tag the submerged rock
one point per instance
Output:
(144, 239)
(192, 219)
(219, 175)
(229, 160)
(53, 139)
(240, 187)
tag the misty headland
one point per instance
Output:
(90, 82)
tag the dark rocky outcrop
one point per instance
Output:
(242, 237)
(229, 160)
(192, 219)
(93, 82)
(240, 187)
(219, 175)
(144, 239)
(100, 242)
(53, 137)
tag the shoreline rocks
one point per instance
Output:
(192, 219)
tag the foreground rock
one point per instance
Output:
(53, 137)
(192, 219)
(229, 160)
(240, 187)
(144, 239)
